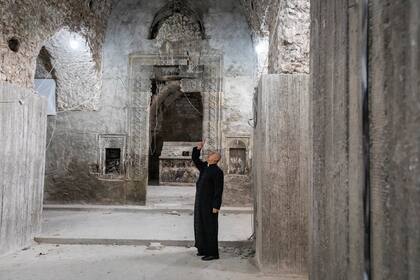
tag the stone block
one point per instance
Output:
(280, 168)
(23, 122)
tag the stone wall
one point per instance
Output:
(123, 107)
(289, 38)
(181, 121)
(260, 15)
(30, 24)
(286, 24)
(74, 69)
(24, 26)
(22, 153)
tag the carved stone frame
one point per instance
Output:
(141, 71)
(111, 141)
(246, 140)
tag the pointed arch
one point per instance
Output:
(172, 8)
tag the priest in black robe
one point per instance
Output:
(208, 199)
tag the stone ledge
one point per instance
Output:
(130, 209)
(132, 242)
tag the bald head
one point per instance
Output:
(213, 158)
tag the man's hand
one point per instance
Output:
(201, 145)
(215, 211)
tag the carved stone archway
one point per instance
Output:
(205, 77)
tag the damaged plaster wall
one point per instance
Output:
(286, 25)
(68, 59)
(289, 44)
(178, 27)
(24, 27)
(75, 71)
(74, 148)
(31, 24)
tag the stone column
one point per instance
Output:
(395, 134)
(281, 169)
(23, 127)
(338, 181)
(141, 69)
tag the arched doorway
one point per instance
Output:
(176, 117)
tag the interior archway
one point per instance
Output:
(175, 116)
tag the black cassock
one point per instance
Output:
(209, 190)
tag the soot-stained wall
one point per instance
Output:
(72, 157)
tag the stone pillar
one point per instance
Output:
(281, 173)
(138, 137)
(395, 133)
(336, 209)
(23, 127)
(337, 51)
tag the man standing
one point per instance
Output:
(208, 199)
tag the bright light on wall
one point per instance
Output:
(262, 47)
(74, 43)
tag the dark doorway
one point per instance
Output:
(174, 117)
(112, 161)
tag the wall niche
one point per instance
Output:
(237, 155)
(112, 150)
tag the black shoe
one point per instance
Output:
(209, 258)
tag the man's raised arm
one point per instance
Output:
(196, 156)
